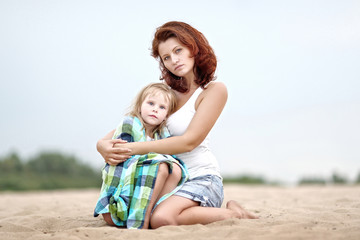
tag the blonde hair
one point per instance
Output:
(150, 90)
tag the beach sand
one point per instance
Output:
(309, 212)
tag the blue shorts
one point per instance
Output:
(207, 190)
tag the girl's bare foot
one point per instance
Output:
(241, 212)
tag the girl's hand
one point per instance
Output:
(112, 151)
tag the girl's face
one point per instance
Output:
(177, 58)
(154, 110)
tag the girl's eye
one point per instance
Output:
(162, 107)
(150, 103)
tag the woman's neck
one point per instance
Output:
(192, 86)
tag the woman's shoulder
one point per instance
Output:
(214, 91)
(215, 87)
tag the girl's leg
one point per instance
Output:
(163, 173)
(177, 210)
(171, 182)
(164, 184)
(108, 220)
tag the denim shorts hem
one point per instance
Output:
(207, 190)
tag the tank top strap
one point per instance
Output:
(194, 97)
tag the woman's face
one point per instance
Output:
(177, 58)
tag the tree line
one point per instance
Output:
(55, 170)
(335, 178)
(47, 170)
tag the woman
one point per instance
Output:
(187, 64)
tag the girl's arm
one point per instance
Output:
(208, 111)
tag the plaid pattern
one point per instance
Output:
(127, 188)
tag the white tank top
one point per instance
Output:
(200, 161)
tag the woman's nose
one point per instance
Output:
(175, 59)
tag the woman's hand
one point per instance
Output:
(112, 150)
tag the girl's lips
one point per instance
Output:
(153, 116)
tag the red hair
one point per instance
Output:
(195, 41)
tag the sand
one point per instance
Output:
(311, 212)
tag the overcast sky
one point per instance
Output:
(69, 69)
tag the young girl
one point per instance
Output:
(187, 64)
(127, 194)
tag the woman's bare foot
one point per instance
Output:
(240, 211)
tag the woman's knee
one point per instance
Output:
(160, 219)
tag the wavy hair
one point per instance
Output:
(150, 90)
(195, 41)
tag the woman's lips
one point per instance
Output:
(177, 67)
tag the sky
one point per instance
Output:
(69, 69)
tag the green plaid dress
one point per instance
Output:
(127, 188)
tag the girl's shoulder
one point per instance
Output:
(130, 129)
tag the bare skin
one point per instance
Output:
(241, 212)
(178, 210)
(165, 183)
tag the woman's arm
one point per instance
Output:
(209, 108)
(112, 154)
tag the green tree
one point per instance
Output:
(53, 162)
(338, 179)
(11, 163)
(357, 181)
(312, 180)
(47, 170)
(245, 179)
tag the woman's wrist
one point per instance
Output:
(100, 146)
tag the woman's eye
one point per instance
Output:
(178, 50)
(166, 58)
